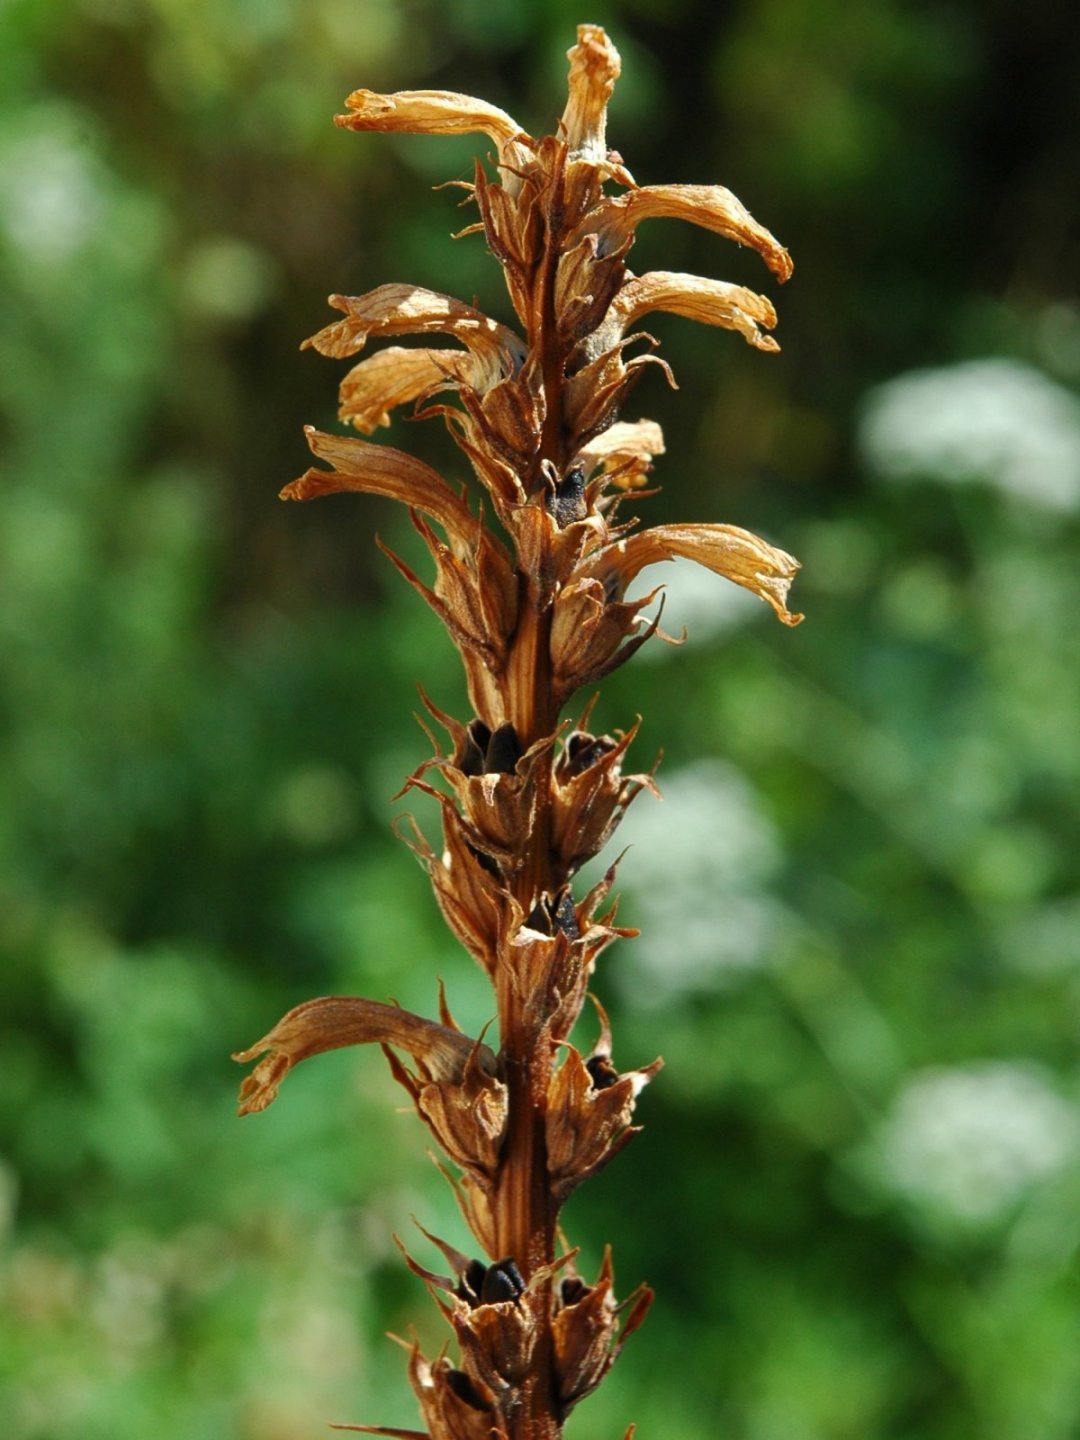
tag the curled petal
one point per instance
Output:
(337, 1020)
(382, 470)
(710, 206)
(413, 310)
(437, 112)
(725, 549)
(393, 377)
(595, 65)
(710, 302)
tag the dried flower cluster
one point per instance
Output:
(538, 610)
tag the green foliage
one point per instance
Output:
(857, 1191)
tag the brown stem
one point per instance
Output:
(525, 1210)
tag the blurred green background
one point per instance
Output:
(858, 1190)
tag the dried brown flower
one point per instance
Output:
(537, 611)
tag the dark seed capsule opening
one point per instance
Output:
(503, 1281)
(471, 1282)
(572, 1289)
(465, 1390)
(583, 750)
(503, 751)
(566, 500)
(473, 749)
(555, 916)
(603, 1072)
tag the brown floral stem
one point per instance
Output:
(524, 1208)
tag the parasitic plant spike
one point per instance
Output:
(537, 609)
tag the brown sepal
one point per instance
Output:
(454, 1406)
(586, 1331)
(588, 1122)
(473, 901)
(467, 1117)
(590, 793)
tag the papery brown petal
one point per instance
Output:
(382, 470)
(727, 550)
(709, 302)
(437, 112)
(412, 310)
(393, 377)
(595, 65)
(333, 1021)
(711, 206)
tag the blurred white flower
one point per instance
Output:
(52, 201)
(697, 878)
(966, 1143)
(997, 421)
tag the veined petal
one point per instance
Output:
(711, 206)
(382, 470)
(710, 302)
(337, 1020)
(412, 310)
(437, 112)
(393, 377)
(725, 549)
(595, 65)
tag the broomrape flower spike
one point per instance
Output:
(537, 609)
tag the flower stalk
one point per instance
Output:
(537, 610)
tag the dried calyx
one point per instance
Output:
(537, 610)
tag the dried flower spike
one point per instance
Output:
(537, 611)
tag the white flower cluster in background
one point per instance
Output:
(997, 421)
(697, 881)
(967, 1143)
(51, 190)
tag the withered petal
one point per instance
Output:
(727, 550)
(399, 309)
(711, 206)
(393, 377)
(382, 470)
(437, 112)
(709, 302)
(595, 65)
(333, 1021)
